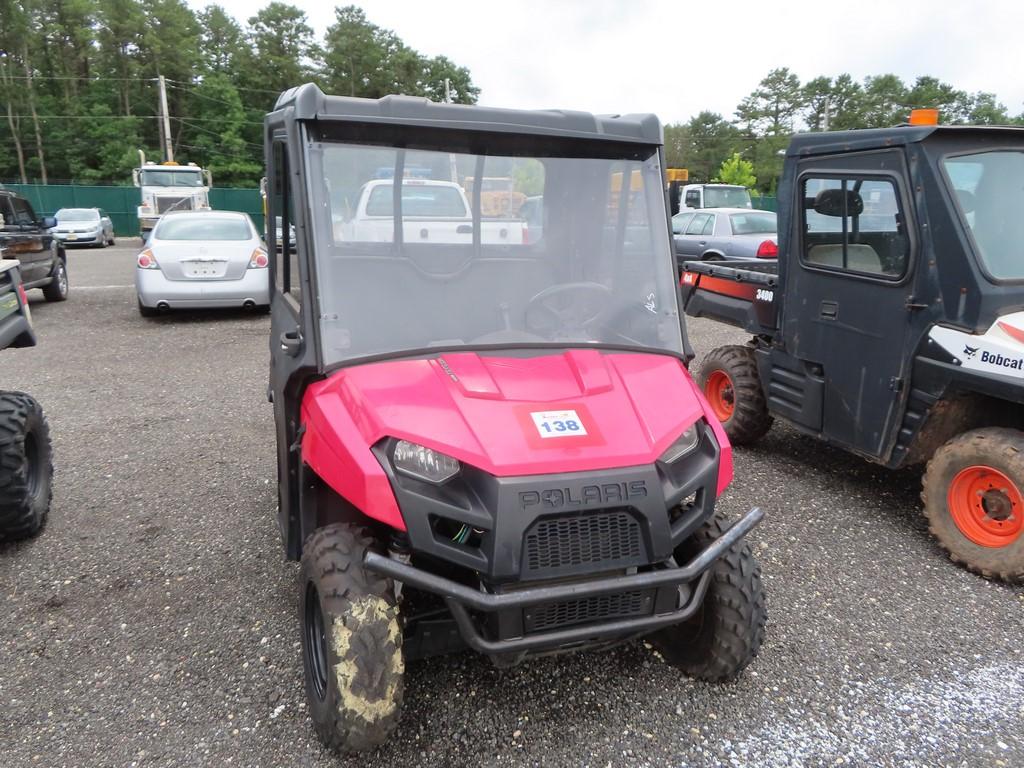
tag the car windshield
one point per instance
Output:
(990, 194)
(203, 227)
(726, 197)
(77, 214)
(160, 177)
(599, 271)
(762, 223)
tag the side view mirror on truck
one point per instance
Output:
(837, 202)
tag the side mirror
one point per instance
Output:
(135, 176)
(49, 222)
(838, 202)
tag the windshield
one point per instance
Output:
(77, 214)
(162, 177)
(726, 197)
(989, 188)
(203, 227)
(599, 270)
(763, 223)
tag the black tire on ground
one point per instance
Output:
(26, 466)
(726, 633)
(147, 311)
(990, 449)
(351, 642)
(746, 419)
(57, 290)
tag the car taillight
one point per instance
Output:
(258, 260)
(526, 234)
(147, 260)
(768, 250)
(22, 294)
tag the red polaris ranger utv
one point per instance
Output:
(487, 435)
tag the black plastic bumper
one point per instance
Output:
(461, 599)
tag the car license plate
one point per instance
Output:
(204, 268)
(72, 236)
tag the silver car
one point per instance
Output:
(200, 259)
(725, 233)
(83, 226)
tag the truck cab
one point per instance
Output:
(893, 324)
(693, 197)
(169, 187)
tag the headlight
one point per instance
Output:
(423, 463)
(683, 444)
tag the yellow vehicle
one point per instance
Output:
(498, 196)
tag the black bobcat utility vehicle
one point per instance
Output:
(26, 465)
(487, 435)
(892, 324)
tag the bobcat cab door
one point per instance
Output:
(849, 289)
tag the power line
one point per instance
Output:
(82, 79)
(88, 117)
(187, 122)
(195, 92)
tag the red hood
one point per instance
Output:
(481, 409)
(487, 412)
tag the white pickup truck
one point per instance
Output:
(432, 212)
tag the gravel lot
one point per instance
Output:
(154, 620)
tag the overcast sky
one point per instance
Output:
(678, 58)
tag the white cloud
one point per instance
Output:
(678, 58)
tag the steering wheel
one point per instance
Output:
(566, 307)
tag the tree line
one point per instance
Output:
(78, 82)
(78, 93)
(781, 106)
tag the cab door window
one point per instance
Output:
(855, 224)
(693, 198)
(23, 214)
(281, 227)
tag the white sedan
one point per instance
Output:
(200, 259)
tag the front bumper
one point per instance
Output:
(688, 583)
(561, 561)
(156, 290)
(79, 238)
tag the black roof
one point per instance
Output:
(308, 102)
(835, 142)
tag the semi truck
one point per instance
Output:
(169, 186)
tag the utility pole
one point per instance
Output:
(828, 108)
(453, 166)
(165, 121)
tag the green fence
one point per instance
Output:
(766, 202)
(120, 203)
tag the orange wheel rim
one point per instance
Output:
(719, 392)
(986, 506)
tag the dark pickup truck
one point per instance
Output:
(26, 458)
(27, 238)
(892, 323)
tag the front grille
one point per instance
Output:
(164, 204)
(603, 607)
(608, 538)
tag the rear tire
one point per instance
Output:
(351, 642)
(729, 380)
(726, 633)
(972, 494)
(26, 466)
(57, 290)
